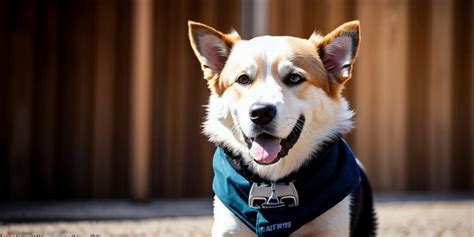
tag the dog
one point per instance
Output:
(277, 116)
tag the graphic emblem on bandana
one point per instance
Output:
(274, 195)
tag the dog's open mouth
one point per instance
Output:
(266, 149)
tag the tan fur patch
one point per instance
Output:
(305, 57)
(302, 92)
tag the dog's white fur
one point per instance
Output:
(325, 117)
(228, 114)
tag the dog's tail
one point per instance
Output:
(363, 217)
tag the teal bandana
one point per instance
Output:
(327, 179)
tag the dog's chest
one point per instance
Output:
(317, 192)
(334, 222)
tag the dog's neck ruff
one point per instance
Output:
(326, 180)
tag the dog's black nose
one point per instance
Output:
(262, 114)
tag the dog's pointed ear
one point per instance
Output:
(338, 50)
(212, 47)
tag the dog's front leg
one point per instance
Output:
(226, 223)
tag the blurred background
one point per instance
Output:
(104, 99)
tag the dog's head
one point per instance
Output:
(275, 99)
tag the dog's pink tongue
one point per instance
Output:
(264, 149)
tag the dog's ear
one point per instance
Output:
(338, 50)
(212, 48)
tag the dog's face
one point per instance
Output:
(274, 100)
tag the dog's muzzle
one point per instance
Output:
(287, 143)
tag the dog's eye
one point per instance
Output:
(293, 79)
(244, 80)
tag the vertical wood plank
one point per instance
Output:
(179, 100)
(440, 80)
(84, 60)
(462, 158)
(157, 166)
(367, 73)
(103, 95)
(44, 99)
(4, 102)
(75, 73)
(260, 17)
(65, 103)
(318, 15)
(21, 67)
(141, 98)
(292, 23)
(169, 108)
(418, 73)
(392, 94)
(159, 161)
(339, 12)
(471, 137)
(274, 17)
(122, 109)
(248, 22)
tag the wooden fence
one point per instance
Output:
(103, 99)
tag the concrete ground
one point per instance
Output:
(398, 216)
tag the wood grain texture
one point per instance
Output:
(366, 79)
(45, 101)
(440, 94)
(462, 157)
(105, 99)
(4, 104)
(141, 99)
(20, 93)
